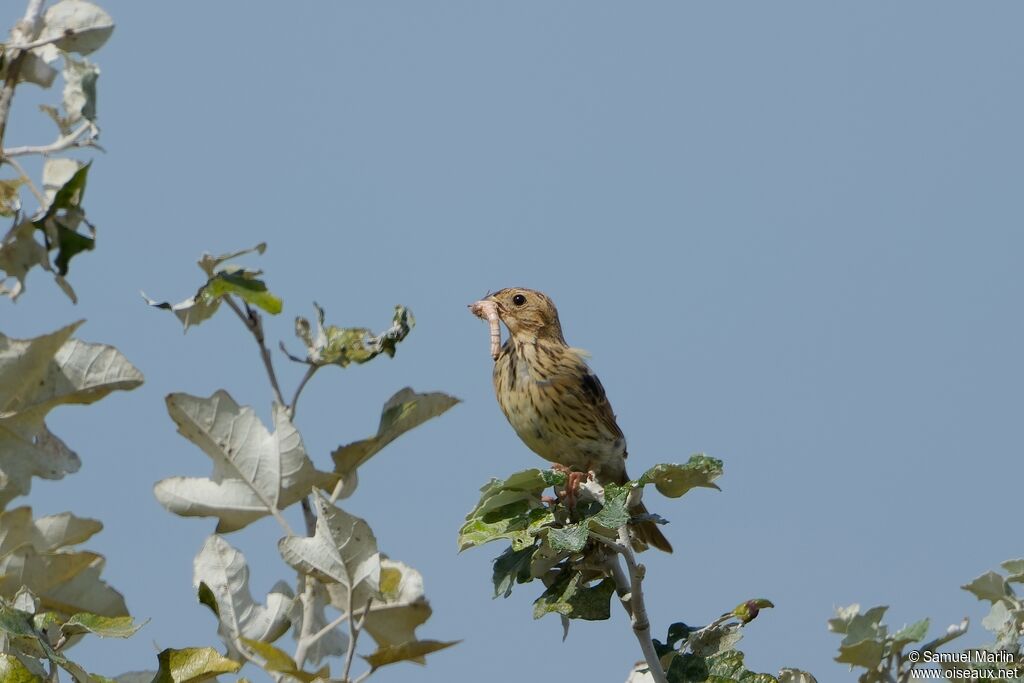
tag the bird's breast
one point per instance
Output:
(530, 384)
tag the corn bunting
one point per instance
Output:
(553, 400)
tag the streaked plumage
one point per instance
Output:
(553, 400)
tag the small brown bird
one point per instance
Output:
(553, 400)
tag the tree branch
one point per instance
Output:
(64, 142)
(631, 594)
(254, 323)
(310, 371)
(40, 197)
(27, 28)
(354, 629)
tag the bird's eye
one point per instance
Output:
(519, 299)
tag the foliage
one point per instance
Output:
(58, 230)
(575, 552)
(904, 655)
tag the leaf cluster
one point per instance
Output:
(887, 656)
(49, 238)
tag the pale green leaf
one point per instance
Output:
(332, 345)
(223, 570)
(254, 471)
(20, 252)
(411, 651)
(37, 375)
(192, 665)
(912, 633)
(989, 586)
(399, 609)
(79, 90)
(105, 627)
(571, 538)
(343, 551)
(674, 480)
(402, 412)
(84, 26)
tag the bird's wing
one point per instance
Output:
(581, 393)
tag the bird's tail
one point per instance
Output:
(647, 533)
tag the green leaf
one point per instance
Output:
(242, 283)
(15, 622)
(223, 279)
(206, 597)
(748, 611)
(913, 633)
(410, 651)
(71, 193)
(279, 661)
(13, 671)
(518, 521)
(60, 223)
(402, 412)
(989, 586)
(1015, 569)
(728, 667)
(568, 598)
(570, 538)
(332, 345)
(674, 480)
(105, 627)
(192, 665)
(511, 567)
(613, 513)
(687, 668)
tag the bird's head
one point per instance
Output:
(527, 313)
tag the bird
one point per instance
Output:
(553, 400)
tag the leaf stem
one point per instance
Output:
(254, 323)
(28, 27)
(310, 371)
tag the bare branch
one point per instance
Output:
(354, 629)
(254, 323)
(637, 609)
(68, 141)
(40, 197)
(310, 371)
(27, 28)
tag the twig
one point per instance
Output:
(304, 641)
(254, 323)
(27, 28)
(310, 371)
(638, 613)
(40, 197)
(63, 142)
(354, 630)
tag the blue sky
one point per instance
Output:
(790, 234)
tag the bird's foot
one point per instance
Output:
(573, 480)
